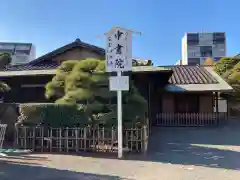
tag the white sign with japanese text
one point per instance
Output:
(119, 50)
(119, 83)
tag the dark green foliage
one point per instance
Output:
(85, 84)
(53, 115)
(55, 88)
(229, 69)
(225, 64)
(4, 87)
(5, 59)
(142, 62)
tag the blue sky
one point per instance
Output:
(50, 24)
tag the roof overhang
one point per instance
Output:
(27, 73)
(136, 69)
(221, 86)
(150, 69)
(198, 87)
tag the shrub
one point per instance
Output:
(53, 115)
(62, 115)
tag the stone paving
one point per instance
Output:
(174, 154)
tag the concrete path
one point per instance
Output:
(174, 154)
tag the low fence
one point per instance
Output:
(2, 133)
(47, 139)
(190, 119)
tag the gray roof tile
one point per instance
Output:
(191, 75)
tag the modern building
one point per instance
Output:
(196, 47)
(20, 52)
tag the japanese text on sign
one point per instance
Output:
(119, 50)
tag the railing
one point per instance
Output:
(47, 139)
(190, 119)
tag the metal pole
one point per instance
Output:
(119, 113)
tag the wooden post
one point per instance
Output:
(50, 139)
(76, 135)
(217, 110)
(16, 142)
(144, 140)
(228, 115)
(33, 139)
(60, 140)
(25, 137)
(132, 138)
(42, 138)
(137, 139)
(85, 138)
(149, 106)
(98, 139)
(66, 138)
(112, 139)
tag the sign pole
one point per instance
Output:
(119, 59)
(119, 113)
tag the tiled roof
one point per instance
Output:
(191, 75)
(181, 74)
(150, 69)
(29, 66)
(48, 65)
(76, 43)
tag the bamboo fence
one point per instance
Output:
(48, 139)
(3, 128)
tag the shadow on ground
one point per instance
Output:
(210, 147)
(215, 148)
(187, 154)
(214, 136)
(24, 171)
(207, 147)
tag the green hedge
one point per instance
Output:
(61, 115)
(51, 115)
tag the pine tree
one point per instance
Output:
(85, 83)
(5, 59)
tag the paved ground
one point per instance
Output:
(174, 154)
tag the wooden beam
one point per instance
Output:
(32, 85)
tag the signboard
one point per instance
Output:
(119, 83)
(119, 59)
(119, 50)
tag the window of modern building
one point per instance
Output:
(219, 38)
(10, 51)
(206, 51)
(193, 61)
(22, 52)
(6, 46)
(192, 39)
